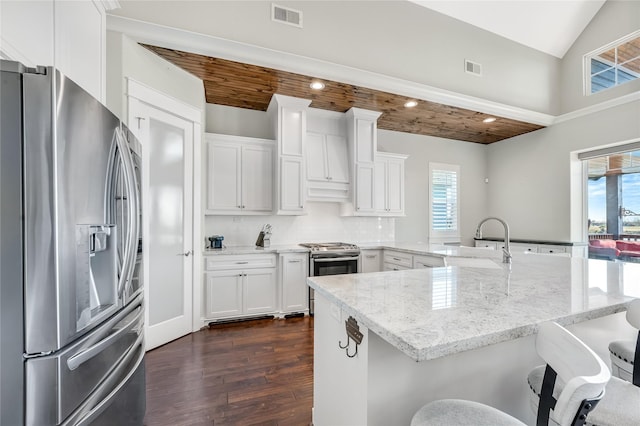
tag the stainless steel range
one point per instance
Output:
(331, 259)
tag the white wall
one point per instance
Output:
(532, 183)
(615, 19)
(237, 121)
(530, 178)
(395, 38)
(472, 159)
(127, 59)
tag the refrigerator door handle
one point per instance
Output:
(81, 357)
(94, 406)
(133, 213)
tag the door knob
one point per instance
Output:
(187, 254)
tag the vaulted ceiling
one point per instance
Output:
(249, 86)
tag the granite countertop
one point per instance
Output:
(431, 313)
(281, 248)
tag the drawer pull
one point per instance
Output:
(395, 258)
(370, 256)
(295, 260)
(242, 263)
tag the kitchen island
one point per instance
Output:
(455, 332)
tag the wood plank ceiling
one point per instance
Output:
(249, 86)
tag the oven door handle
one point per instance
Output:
(333, 259)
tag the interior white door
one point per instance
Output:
(167, 192)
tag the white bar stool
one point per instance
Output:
(620, 405)
(626, 353)
(583, 372)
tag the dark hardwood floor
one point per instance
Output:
(249, 373)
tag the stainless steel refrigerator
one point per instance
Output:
(71, 308)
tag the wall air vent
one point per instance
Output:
(285, 15)
(473, 68)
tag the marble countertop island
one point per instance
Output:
(432, 313)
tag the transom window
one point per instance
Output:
(612, 65)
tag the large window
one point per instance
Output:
(612, 65)
(444, 193)
(613, 197)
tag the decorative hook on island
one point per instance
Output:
(353, 333)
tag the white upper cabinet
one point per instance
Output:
(337, 159)
(316, 158)
(327, 167)
(362, 144)
(291, 185)
(389, 184)
(288, 116)
(327, 157)
(239, 175)
(365, 136)
(70, 35)
(292, 129)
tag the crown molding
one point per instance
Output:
(173, 38)
(109, 4)
(631, 97)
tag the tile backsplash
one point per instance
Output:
(322, 223)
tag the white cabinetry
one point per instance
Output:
(294, 270)
(397, 261)
(288, 116)
(485, 244)
(70, 35)
(363, 144)
(422, 262)
(240, 175)
(533, 247)
(370, 261)
(327, 167)
(240, 286)
(389, 184)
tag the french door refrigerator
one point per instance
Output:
(71, 308)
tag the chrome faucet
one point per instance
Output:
(506, 252)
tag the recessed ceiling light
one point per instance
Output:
(410, 104)
(489, 120)
(317, 85)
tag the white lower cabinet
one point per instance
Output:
(528, 247)
(398, 261)
(370, 261)
(294, 270)
(259, 291)
(224, 294)
(238, 286)
(421, 262)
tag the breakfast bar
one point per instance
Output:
(464, 331)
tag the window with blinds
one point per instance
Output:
(444, 196)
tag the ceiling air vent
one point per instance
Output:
(285, 15)
(472, 67)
